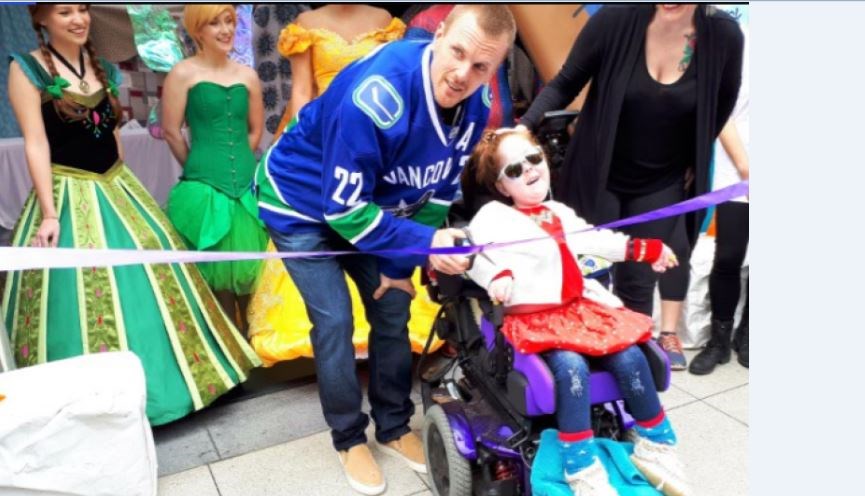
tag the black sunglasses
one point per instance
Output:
(514, 171)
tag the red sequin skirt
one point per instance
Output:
(583, 326)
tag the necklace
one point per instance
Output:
(82, 84)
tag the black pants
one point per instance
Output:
(634, 282)
(731, 243)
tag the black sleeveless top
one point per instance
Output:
(89, 143)
(657, 132)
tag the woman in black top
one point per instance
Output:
(664, 81)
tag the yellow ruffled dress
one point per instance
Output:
(278, 323)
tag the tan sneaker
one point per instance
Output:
(361, 470)
(409, 448)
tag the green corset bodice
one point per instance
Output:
(219, 152)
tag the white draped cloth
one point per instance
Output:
(77, 427)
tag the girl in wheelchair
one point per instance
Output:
(551, 310)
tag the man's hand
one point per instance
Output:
(448, 264)
(388, 283)
(667, 260)
(500, 289)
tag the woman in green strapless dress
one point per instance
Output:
(212, 206)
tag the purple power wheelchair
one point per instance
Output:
(486, 406)
(486, 403)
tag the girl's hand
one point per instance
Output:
(667, 260)
(48, 233)
(500, 289)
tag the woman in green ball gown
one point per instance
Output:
(64, 98)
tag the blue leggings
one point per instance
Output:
(573, 399)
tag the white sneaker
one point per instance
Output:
(660, 464)
(591, 481)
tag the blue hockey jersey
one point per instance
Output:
(371, 158)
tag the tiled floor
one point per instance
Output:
(277, 444)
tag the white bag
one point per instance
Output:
(77, 427)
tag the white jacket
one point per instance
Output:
(537, 266)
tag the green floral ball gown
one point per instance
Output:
(164, 313)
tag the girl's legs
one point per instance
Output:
(573, 409)
(583, 470)
(637, 385)
(655, 453)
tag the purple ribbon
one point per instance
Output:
(707, 200)
(22, 258)
(698, 202)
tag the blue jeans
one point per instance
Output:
(321, 282)
(573, 399)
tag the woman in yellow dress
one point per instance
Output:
(318, 45)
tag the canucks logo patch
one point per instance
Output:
(378, 99)
(488, 95)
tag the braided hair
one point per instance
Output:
(66, 107)
(103, 78)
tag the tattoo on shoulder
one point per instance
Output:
(688, 54)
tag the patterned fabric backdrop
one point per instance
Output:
(15, 36)
(273, 70)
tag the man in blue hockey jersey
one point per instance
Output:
(374, 164)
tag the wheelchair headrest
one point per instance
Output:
(552, 134)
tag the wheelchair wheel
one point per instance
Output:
(449, 473)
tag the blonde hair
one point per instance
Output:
(494, 19)
(197, 15)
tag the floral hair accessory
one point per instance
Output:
(56, 89)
